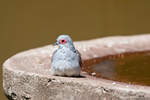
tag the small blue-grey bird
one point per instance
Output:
(66, 60)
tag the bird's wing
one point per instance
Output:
(79, 55)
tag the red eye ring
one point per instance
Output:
(62, 41)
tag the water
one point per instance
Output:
(30, 24)
(129, 68)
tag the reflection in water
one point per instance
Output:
(129, 68)
(105, 68)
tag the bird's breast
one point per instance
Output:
(65, 55)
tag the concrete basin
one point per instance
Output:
(26, 75)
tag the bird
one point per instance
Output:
(66, 60)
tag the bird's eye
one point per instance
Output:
(63, 41)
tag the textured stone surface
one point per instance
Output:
(26, 75)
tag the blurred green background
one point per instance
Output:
(33, 23)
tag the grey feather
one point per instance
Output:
(66, 60)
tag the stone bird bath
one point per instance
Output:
(26, 75)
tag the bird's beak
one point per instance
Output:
(55, 44)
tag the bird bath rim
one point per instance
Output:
(109, 46)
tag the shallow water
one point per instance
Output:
(130, 68)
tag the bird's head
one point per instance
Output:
(64, 41)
